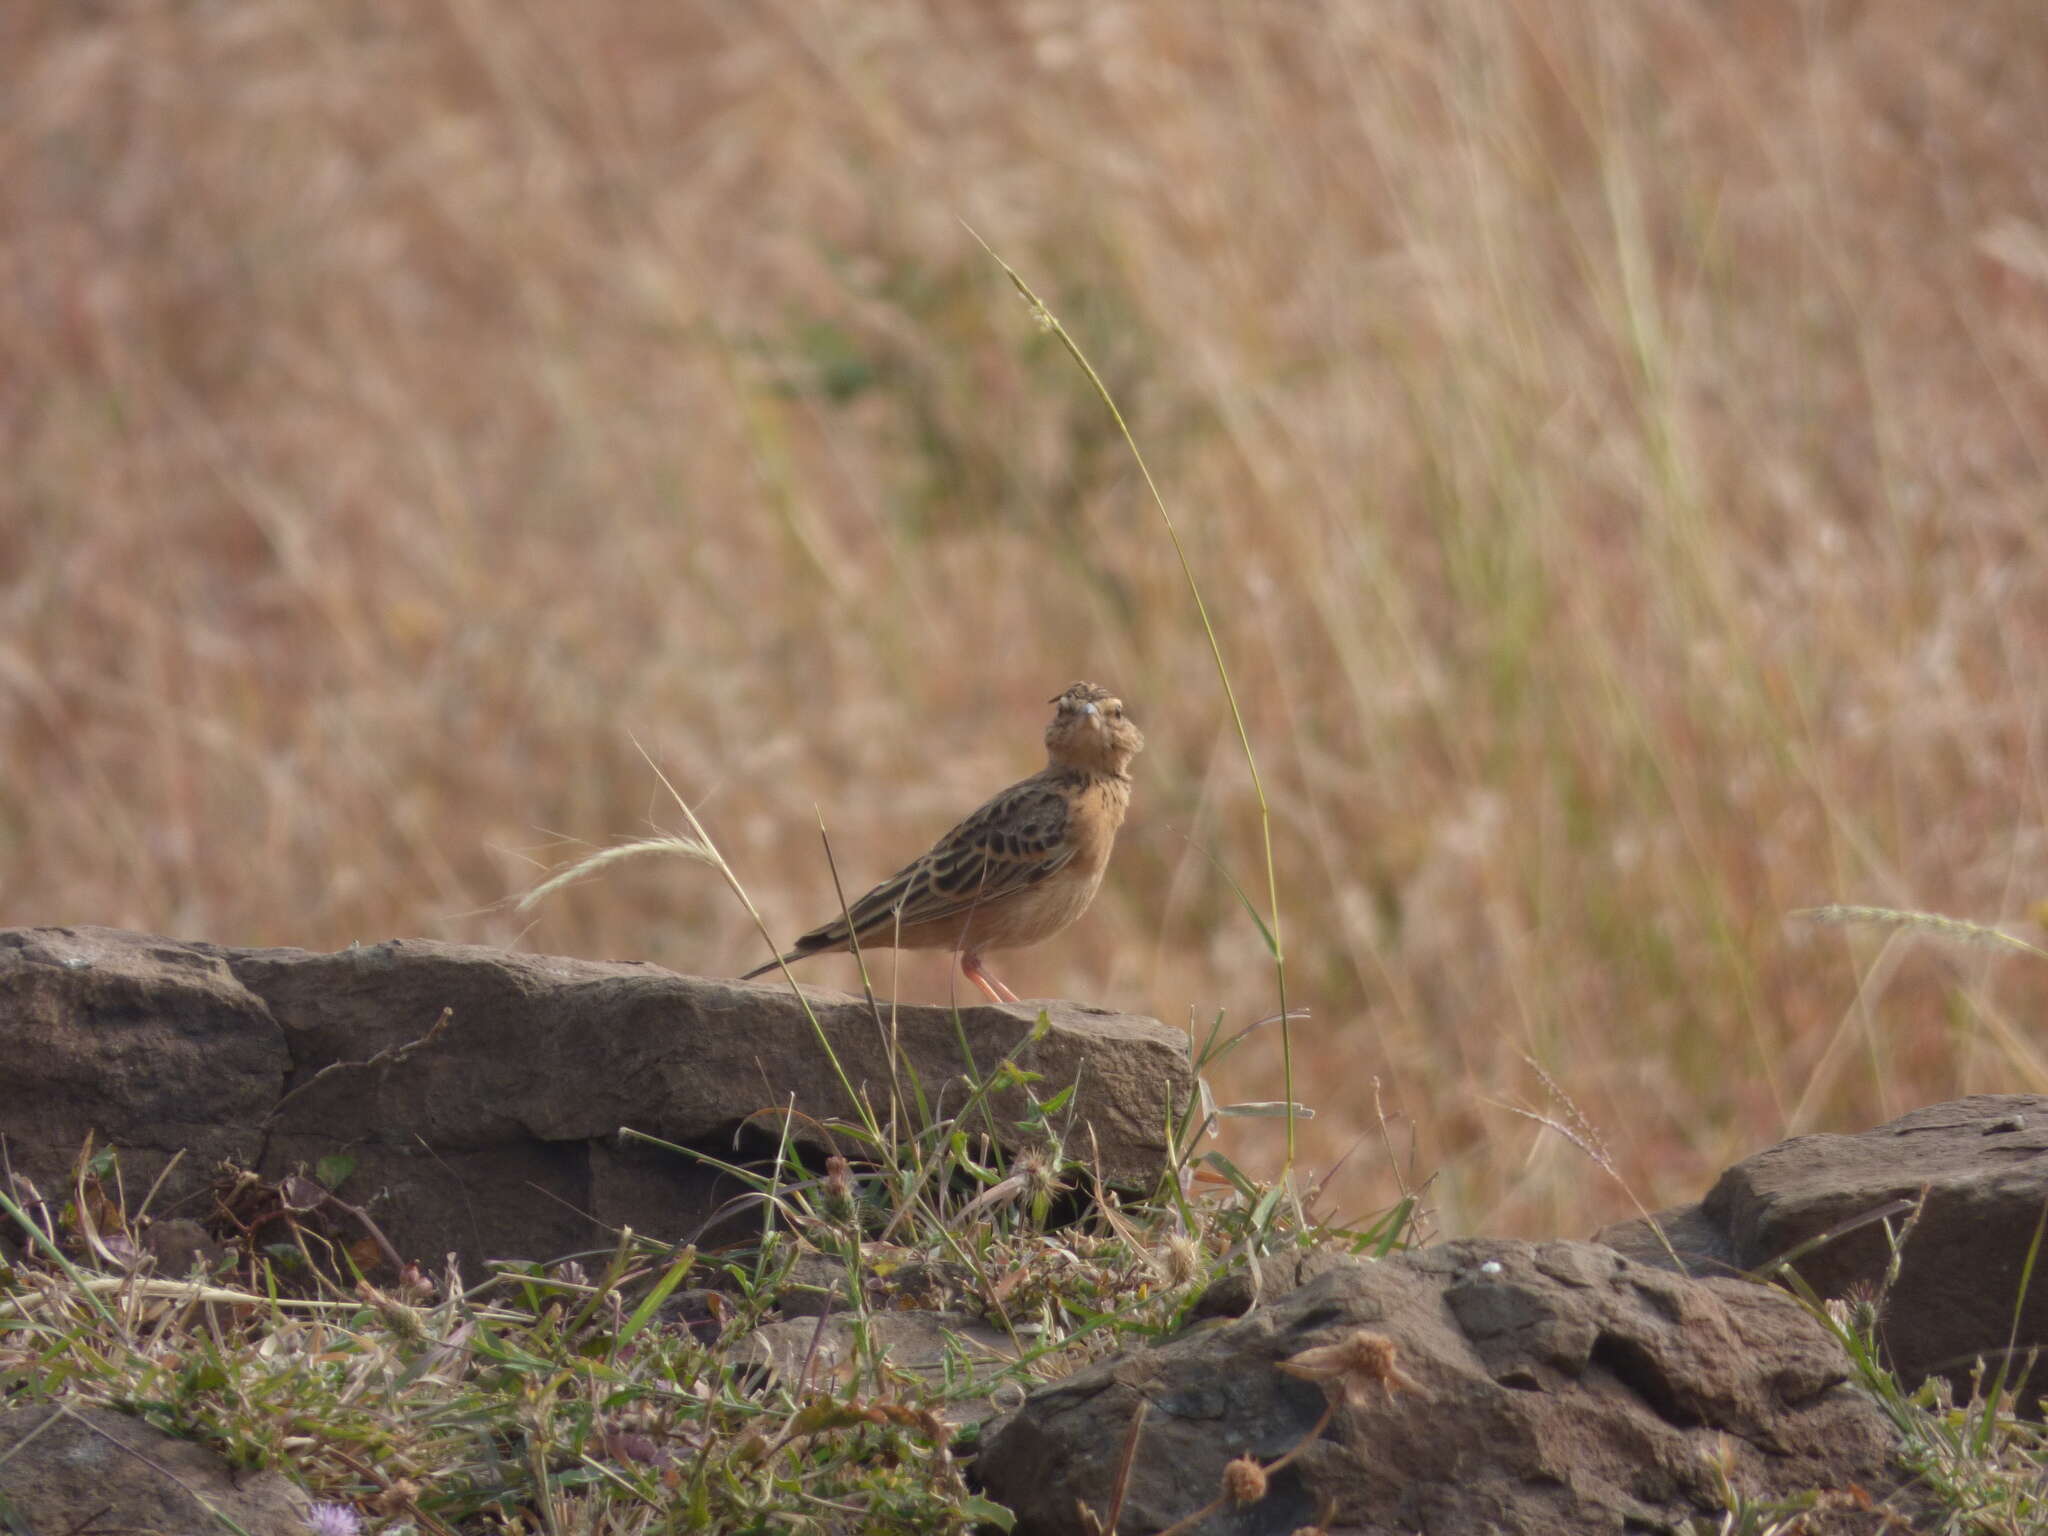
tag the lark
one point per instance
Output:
(1016, 871)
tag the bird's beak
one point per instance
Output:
(1091, 709)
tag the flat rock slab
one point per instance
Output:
(1551, 1388)
(1959, 1295)
(947, 1352)
(499, 1136)
(80, 1468)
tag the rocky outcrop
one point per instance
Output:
(472, 1101)
(1535, 1388)
(77, 1467)
(478, 1096)
(1963, 1186)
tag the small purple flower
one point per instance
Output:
(334, 1520)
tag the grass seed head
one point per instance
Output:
(395, 1315)
(838, 1187)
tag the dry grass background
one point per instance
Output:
(1611, 438)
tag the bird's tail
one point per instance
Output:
(824, 940)
(763, 970)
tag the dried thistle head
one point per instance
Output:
(570, 1272)
(1180, 1259)
(1864, 1300)
(1244, 1481)
(397, 1497)
(1360, 1366)
(1040, 1174)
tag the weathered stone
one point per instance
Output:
(824, 1353)
(1267, 1279)
(1958, 1297)
(142, 1043)
(1552, 1387)
(76, 1467)
(498, 1135)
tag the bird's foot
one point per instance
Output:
(992, 987)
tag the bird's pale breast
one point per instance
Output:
(1035, 914)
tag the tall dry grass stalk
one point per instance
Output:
(1614, 434)
(1269, 926)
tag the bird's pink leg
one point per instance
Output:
(971, 968)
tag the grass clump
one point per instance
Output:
(651, 1387)
(755, 1384)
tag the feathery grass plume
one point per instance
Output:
(668, 845)
(1571, 1123)
(1935, 925)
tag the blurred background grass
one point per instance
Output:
(1611, 439)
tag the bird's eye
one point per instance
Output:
(1116, 711)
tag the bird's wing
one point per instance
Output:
(1016, 840)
